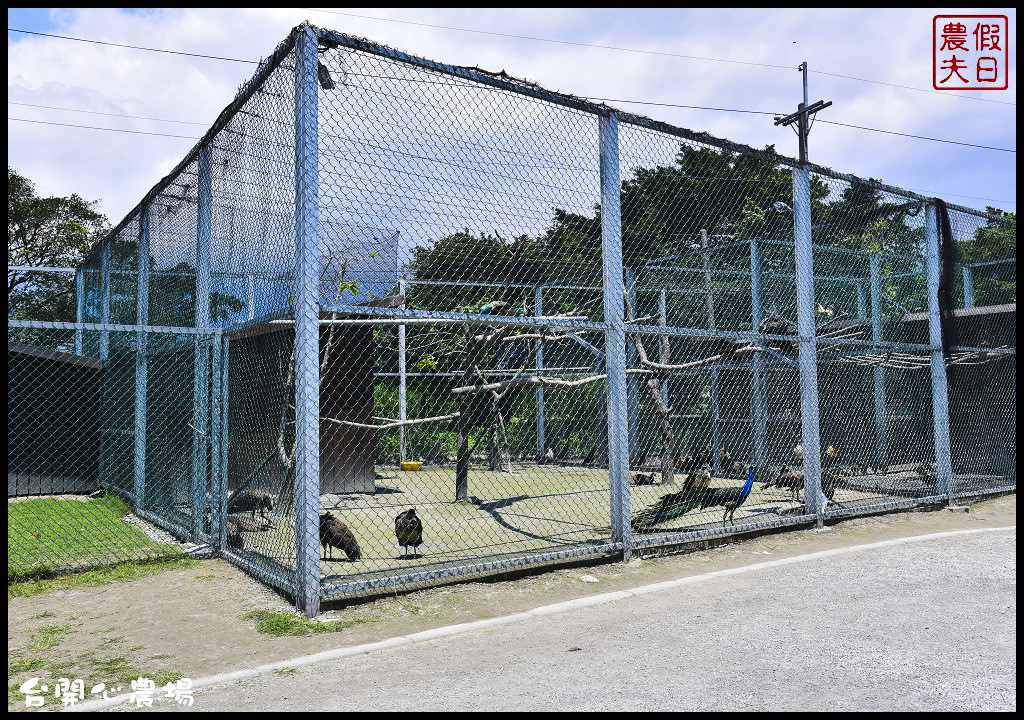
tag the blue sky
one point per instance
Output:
(888, 46)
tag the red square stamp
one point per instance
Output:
(970, 52)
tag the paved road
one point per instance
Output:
(928, 625)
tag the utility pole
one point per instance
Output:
(802, 117)
(806, 326)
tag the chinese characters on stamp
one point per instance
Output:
(970, 52)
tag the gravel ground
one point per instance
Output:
(926, 625)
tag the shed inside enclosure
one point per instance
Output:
(261, 359)
(53, 421)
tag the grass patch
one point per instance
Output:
(20, 665)
(40, 616)
(49, 636)
(285, 671)
(48, 535)
(162, 677)
(100, 576)
(280, 624)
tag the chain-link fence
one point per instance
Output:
(393, 323)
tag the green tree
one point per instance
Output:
(995, 240)
(50, 232)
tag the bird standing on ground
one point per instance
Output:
(696, 493)
(732, 498)
(335, 534)
(791, 479)
(251, 500)
(641, 478)
(409, 530)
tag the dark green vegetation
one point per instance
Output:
(46, 231)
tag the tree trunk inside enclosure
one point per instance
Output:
(465, 403)
(498, 458)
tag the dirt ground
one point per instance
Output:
(191, 622)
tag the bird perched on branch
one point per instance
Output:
(335, 534)
(832, 454)
(409, 530)
(251, 501)
(493, 308)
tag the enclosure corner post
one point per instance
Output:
(615, 333)
(940, 395)
(141, 369)
(307, 319)
(808, 348)
(876, 336)
(201, 387)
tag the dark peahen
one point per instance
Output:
(693, 496)
(335, 534)
(409, 530)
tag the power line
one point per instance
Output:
(93, 127)
(97, 112)
(636, 102)
(655, 52)
(692, 107)
(134, 47)
(190, 137)
(830, 122)
(910, 87)
(919, 137)
(560, 42)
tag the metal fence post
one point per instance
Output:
(940, 396)
(200, 386)
(807, 333)
(79, 308)
(402, 399)
(105, 297)
(141, 369)
(757, 405)
(221, 502)
(615, 333)
(876, 336)
(307, 319)
(538, 297)
(968, 286)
